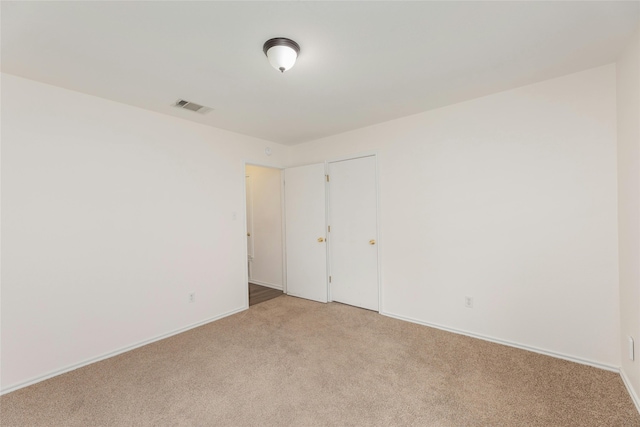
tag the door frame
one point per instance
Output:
(249, 187)
(360, 155)
(246, 163)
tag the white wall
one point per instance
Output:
(510, 199)
(111, 215)
(628, 108)
(266, 267)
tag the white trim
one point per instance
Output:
(283, 235)
(117, 352)
(327, 209)
(244, 227)
(263, 165)
(378, 233)
(327, 253)
(248, 183)
(632, 392)
(268, 285)
(599, 365)
(372, 153)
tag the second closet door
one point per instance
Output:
(353, 236)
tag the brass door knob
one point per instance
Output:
(372, 242)
(320, 239)
(248, 234)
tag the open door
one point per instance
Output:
(305, 221)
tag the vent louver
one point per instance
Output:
(192, 106)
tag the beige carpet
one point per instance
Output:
(292, 362)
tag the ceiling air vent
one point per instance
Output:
(186, 105)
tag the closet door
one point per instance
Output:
(353, 236)
(305, 221)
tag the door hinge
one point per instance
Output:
(329, 279)
(327, 178)
(329, 227)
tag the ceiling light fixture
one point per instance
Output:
(282, 53)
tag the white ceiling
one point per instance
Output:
(360, 63)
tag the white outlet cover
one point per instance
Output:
(468, 302)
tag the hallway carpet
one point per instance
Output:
(292, 362)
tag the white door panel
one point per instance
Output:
(305, 220)
(353, 236)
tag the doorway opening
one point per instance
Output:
(258, 294)
(265, 233)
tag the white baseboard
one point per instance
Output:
(115, 352)
(632, 392)
(604, 366)
(268, 285)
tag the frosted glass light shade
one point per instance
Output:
(282, 53)
(282, 57)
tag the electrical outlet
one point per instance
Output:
(192, 297)
(468, 302)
